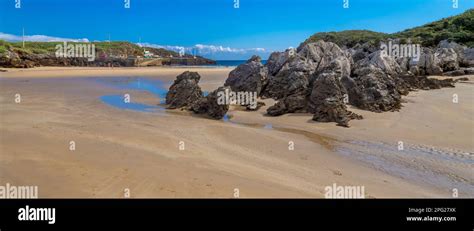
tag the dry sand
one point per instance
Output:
(120, 149)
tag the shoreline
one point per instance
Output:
(45, 72)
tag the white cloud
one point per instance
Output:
(38, 38)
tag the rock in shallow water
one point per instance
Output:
(184, 91)
(210, 105)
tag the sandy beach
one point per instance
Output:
(118, 149)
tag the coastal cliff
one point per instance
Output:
(115, 54)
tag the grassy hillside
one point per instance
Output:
(115, 48)
(459, 28)
(349, 37)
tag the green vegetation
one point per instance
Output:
(116, 48)
(110, 48)
(459, 28)
(349, 37)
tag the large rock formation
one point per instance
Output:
(290, 104)
(448, 59)
(374, 85)
(313, 86)
(250, 77)
(467, 58)
(289, 72)
(210, 105)
(428, 63)
(321, 78)
(385, 63)
(425, 83)
(184, 91)
(326, 100)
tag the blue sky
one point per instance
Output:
(230, 33)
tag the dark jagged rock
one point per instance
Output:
(425, 83)
(184, 91)
(469, 71)
(289, 71)
(289, 104)
(448, 59)
(360, 51)
(428, 64)
(462, 79)
(210, 105)
(276, 61)
(319, 77)
(384, 62)
(465, 55)
(455, 73)
(467, 58)
(353, 91)
(286, 83)
(378, 90)
(250, 76)
(327, 98)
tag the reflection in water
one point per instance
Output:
(226, 118)
(154, 86)
(118, 102)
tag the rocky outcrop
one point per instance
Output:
(425, 83)
(428, 64)
(186, 94)
(467, 59)
(185, 91)
(290, 104)
(448, 59)
(326, 100)
(250, 76)
(289, 71)
(322, 92)
(373, 85)
(210, 105)
(385, 63)
(321, 78)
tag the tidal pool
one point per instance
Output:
(155, 87)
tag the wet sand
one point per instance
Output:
(119, 149)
